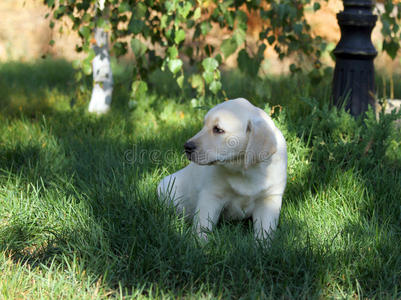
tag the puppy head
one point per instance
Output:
(234, 131)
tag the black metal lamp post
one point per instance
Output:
(353, 82)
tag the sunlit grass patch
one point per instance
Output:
(80, 218)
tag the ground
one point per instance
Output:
(80, 219)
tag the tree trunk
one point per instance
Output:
(102, 75)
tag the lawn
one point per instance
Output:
(80, 219)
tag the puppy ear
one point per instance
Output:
(261, 143)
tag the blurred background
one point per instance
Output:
(25, 35)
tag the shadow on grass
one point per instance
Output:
(130, 240)
(352, 166)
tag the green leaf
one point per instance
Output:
(208, 76)
(229, 17)
(316, 6)
(210, 64)
(219, 58)
(102, 23)
(389, 6)
(249, 65)
(391, 47)
(217, 74)
(91, 54)
(179, 36)
(58, 13)
(172, 52)
(215, 86)
(136, 26)
(78, 76)
(85, 32)
(261, 52)
(297, 28)
(239, 36)
(180, 81)
(175, 65)
(138, 89)
(76, 64)
(86, 18)
(124, 7)
(386, 30)
(120, 48)
(140, 10)
(163, 21)
(205, 27)
(241, 19)
(228, 47)
(194, 102)
(87, 67)
(271, 39)
(170, 6)
(138, 47)
(197, 13)
(184, 10)
(197, 83)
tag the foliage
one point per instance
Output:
(391, 19)
(164, 34)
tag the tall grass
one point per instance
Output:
(79, 216)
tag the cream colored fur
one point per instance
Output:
(238, 168)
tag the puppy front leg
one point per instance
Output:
(207, 213)
(266, 215)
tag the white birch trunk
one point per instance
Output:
(102, 75)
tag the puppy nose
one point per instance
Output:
(189, 147)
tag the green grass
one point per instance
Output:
(79, 216)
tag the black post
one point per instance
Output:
(354, 73)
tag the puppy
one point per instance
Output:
(238, 168)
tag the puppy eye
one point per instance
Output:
(217, 130)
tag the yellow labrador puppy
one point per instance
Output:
(238, 168)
